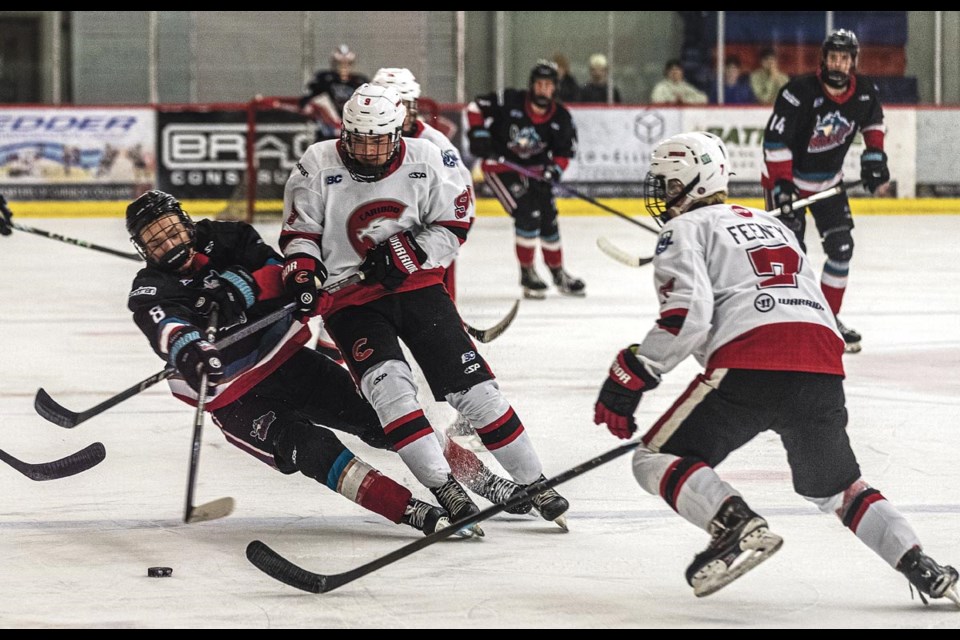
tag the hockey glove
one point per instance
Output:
(785, 192)
(232, 290)
(391, 262)
(300, 275)
(481, 144)
(552, 173)
(873, 169)
(621, 392)
(193, 356)
(5, 215)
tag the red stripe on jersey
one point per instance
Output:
(784, 346)
(873, 139)
(862, 511)
(358, 295)
(286, 237)
(269, 280)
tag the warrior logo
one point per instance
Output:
(831, 132)
(262, 425)
(370, 224)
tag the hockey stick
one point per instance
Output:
(492, 333)
(576, 194)
(73, 464)
(5, 211)
(279, 568)
(224, 506)
(628, 259)
(61, 416)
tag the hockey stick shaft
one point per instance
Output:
(576, 194)
(75, 241)
(816, 197)
(71, 465)
(279, 568)
(198, 424)
(59, 415)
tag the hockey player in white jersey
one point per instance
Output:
(737, 293)
(384, 207)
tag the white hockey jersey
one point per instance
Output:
(737, 292)
(336, 219)
(449, 152)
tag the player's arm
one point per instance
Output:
(301, 236)
(259, 259)
(873, 163)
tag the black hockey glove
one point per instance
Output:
(785, 192)
(5, 215)
(873, 169)
(481, 144)
(391, 262)
(193, 356)
(232, 290)
(300, 275)
(621, 392)
(552, 173)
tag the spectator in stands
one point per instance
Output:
(596, 90)
(673, 89)
(767, 80)
(736, 85)
(568, 90)
(325, 95)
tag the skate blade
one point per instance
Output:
(574, 294)
(562, 523)
(853, 347)
(532, 294)
(757, 547)
(952, 595)
(473, 531)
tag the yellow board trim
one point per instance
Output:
(486, 207)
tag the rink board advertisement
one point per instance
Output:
(76, 153)
(203, 154)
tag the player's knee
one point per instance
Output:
(649, 468)
(309, 449)
(391, 389)
(840, 503)
(481, 404)
(838, 245)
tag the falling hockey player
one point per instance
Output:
(736, 290)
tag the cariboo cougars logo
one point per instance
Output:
(369, 224)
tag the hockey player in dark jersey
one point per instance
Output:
(749, 308)
(814, 121)
(529, 128)
(329, 90)
(268, 393)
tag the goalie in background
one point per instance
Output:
(736, 291)
(329, 90)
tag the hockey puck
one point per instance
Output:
(159, 572)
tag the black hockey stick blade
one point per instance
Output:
(620, 255)
(73, 464)
(279, 568)
(213, 510)
(59, 415)
(488, 335)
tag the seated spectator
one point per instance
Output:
(767, 80)
(596, 89)
(568, 90)
(736, 85)
(673, 89)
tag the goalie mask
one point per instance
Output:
(844, 41)
(539, 94)
(161, 231)
(370, 131)
(409, 89)
(684, 168)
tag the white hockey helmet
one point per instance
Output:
(407, 86)
(685, 168)
(370, 131)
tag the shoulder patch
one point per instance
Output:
(666, 240)
(789, 97)
(450, 158)
(143, 291)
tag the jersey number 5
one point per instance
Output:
(778, 265)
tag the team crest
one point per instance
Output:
(450, 159)
(262, 425)
(369, 224)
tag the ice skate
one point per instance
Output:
(458, 504)
(741, 541)
(499, 490)
(533, 287)
(550, 505)
(567, 284)
(425, 517)
(929, 578)
(851, 339)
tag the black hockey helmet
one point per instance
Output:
(840, 40)
(543, 70)
(168, 246)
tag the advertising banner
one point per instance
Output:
(85, 153)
